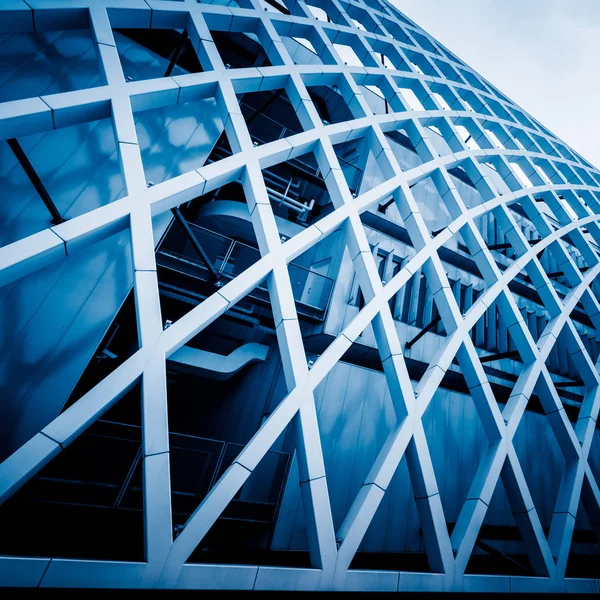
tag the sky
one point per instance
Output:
(543, 54)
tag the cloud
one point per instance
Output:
(541, 53)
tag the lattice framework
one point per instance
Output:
(473, 104)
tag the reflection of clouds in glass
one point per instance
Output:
(73, 45)
(180, 129)
(142, 133)
(36, 64)
(176, 139)
(106, 140)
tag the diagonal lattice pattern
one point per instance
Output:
(424, 86)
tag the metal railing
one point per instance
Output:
(104, 470)
(265, 129)
(312, 290)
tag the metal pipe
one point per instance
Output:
(287, 189)
(128, 478)
(14, 145)
(227, 255)
(278, 197)
(178, 49)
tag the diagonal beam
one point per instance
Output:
(214, 274)
(14, 145)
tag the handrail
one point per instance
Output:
(217, 234)
(194, 263)
(312, 290)
(217, 455)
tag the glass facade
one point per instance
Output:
(293, 299)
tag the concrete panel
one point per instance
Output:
(217, 577)
(22, 572)
(279, 578)
(92, 574)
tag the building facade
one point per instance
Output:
(292, 298)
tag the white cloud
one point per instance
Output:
(543, 54)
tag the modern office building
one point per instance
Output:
(292, 298)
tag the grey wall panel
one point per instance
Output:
(456, 440)
(396, 526)
(543, 465)
(355, 414)
(290, 532)
(175, 140)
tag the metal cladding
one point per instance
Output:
(424, 87)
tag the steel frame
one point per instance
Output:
(331, 552)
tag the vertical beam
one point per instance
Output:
(158, 532)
